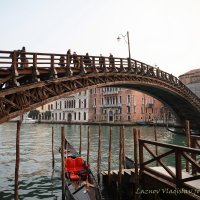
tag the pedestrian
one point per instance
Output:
(111, 60)
(24, 60)
(87, 60)
(101, 61)
(75, 60)
(62, 61)
(69, 57)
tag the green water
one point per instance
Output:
(37, 179)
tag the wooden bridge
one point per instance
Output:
(31, 79)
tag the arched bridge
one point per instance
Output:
(30, 79)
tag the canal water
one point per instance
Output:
(37, 179)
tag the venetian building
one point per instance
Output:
(113, 105)
(192, 80)
(74, 108)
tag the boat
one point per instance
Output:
(182, 131)
(28, 120)
(80, 181)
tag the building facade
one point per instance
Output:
(113, 105)
(73, 108)
(104, 105)
(192, 80)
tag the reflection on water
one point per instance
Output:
(37, 179)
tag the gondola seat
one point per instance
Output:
(69, 165)
(74, 177)
(79, 164)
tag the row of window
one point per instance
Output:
(67, 104)
(69, 116)
(115, 100)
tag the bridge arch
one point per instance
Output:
(26, 89)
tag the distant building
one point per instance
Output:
(105, 105)
(114, 105)
(192, 80)
(73, 108)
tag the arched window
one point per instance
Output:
(85, 103)
(79, 116)
(84, 115)
(79, 103)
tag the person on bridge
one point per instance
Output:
(75, 60)
(24, 60)
(62, 61)
(101, 61)
(69, 57)
(87, 60)
(111, 61)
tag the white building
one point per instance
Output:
(74, 108)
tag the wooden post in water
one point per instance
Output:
(123, 148)
(139, 135)
(53, 161)
(80, 145)
(88, 145)
(120, 156)
(120, 163)
(63, 162)
(109, 155)
(17, 159)
(155, 135)
(187, 128)
(135, 138)
(99, 155)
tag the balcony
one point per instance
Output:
(149, 105)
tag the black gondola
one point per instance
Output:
(80, 182)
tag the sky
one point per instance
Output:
(165, 33)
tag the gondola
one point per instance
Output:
(80, 182)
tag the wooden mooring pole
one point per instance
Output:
(88, 145)
(155, 136)
(188, 142)
(99, 156)
(109, 155)
(120, 164)
(123, 148)
(135, 138)
(63, 162)
(80, 145)
(17, 159)
(120, 154)
(53, 161)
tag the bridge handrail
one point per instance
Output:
(194, 144)
(38, 60)
(179, 152)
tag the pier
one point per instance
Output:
(152, 178)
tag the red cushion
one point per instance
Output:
(69, 164)
(79, 164)
(74, 177)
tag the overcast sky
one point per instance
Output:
(165, 33)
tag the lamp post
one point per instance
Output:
(127, 41)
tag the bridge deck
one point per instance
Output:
(193, 184)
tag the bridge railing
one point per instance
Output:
(48, 60)
(14, 62)
(176, 153)
(195, 143)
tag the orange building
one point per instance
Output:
(113, 105)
